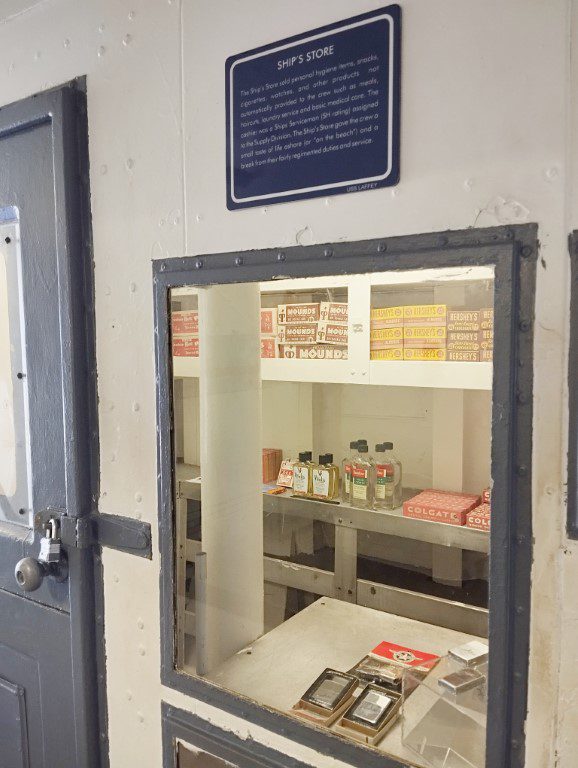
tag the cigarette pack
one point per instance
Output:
(312, 352)
(186, 346)
(425, 314)
(479, 518)
(404, 657)
(424, 336)
(441, 506)
(386, 315)
(422, 353)
(269, 347)
(333, 311)
(463, 320)
(486, 355)
(285, 476)
(392, 353)
(297, 333)
(461, 356)
(393, 334)
(331, 333)
(298, 313)
(487, 319)
(272, 458)
(269, 321)
(185, 322)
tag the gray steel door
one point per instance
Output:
(48, 712)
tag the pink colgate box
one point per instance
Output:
(441, 506)
(479, 518)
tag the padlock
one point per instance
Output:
(50, 543)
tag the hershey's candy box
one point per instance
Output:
(298, 313)
(463, 346)
(486, 355)
(487, 319)
(424, 336)
(463, 320)
(381, 317)
(297, 333)
(185, 321)
(460, 356)
(391, 353)
(331, 333)
(386, 337)
(186, 346)
(422, 353)
(333, 311)
(425, 314)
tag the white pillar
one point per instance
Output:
(231, 467)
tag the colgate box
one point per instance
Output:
(186, 346)
(404, 657)
(298, 313)
(441, 506)
(479, 518)
(185, 322)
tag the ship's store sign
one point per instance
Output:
(316, 114)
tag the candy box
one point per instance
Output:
(463, 320)
(297, 333)
(422, 353)
(331, 333)
(333, 311)
(269, 347)
(391, 353)
(185, 322)
(425, 314)
(312, 352)
(381, 317)
(186, 346)
(463, 356)
(298, 313)
(424, 336)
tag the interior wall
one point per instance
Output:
(488, 123)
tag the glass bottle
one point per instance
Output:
(334, 469)
(346, 472)
(388, 489)
(362, 478)
(302, 471)
(321, 479)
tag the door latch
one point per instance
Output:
(50, 545)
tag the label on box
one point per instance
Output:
(268, 347)
(393, 334)
(441, 506)
(185, 322)
(460, 316)
(269, 321)
(424, 354)
(394, 353)
(486, 355)
(384, 480)
(301, 479)
(298, 333)
(392, 315)
(321, 482)
(473, 336)
(186, 346)
(463, 357)
(298, 313)
(418, 311)
(424, 333)
(333, 311)
(360, 482)
(486, 496)
(404, 657)
(487, 319)
(479, 518)
(285, 477)
(464, 346)
(313, 352)
(331, 333)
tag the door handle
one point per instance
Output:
(29, 574)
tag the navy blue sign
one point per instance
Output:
(315, 114)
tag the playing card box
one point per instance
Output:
(298, 313)
(331, 333)
(269, 347)
(185, 322)
(441, 506)
(185, 346)
(269, 321)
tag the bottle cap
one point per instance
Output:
(308, 455)
(304, 456)
(353, 444)
(388, 446)
(329, 458)
(380, 447)
(362, 442)
(323, 458)
(363, 448)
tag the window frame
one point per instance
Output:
(512, 251)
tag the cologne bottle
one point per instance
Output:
(322, 477)
(302, 471)
(362, 478)
(346, 473)
(387, 471)
(334, 469)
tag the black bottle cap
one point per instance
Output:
(329, 458)
(353, 444)
(361, 442)
(305, 456)
(388, 446)
(323, 458)
(380, 447)
(363, 448)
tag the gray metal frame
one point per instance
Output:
(244, 753)
(572, 500)
(512, 251)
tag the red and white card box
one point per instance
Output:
(441, 506)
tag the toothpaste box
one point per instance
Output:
(333, 311)
(390, 353)
(298, 313)
(185, 322)
(297, 333)
(269, 321)
(486, 496)
(424, 354)
(479, 518)
(186, 346)
(441, 506)
(331, 333)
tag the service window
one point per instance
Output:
(332, 501)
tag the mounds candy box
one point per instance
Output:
(312, 352)
(424, 354)
(479, 518)
(487, 319)
(269, 321)
(381, 317)
(463, 320)
(424, 336)
(269, 347)
(333, 311)
(404, 657)
(391, 337)
(425, 314)
(297, 333)
(298, 313)
(185, 321)
(461, 356)
(441, 506)
(391, 353)
(272, 458)
(186, 346)
(331, 333)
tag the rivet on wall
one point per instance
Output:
(127, 40)
(130, 163)
(132, 287)
(129, 695)
(103, 169)
(100, 51)
(140, 624)
(468, 184)
(140, 717)
(101, 28)
(66, 43)
(138, 497)
(142, 650)
(131, 15)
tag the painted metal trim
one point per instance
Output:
(512, 251)
(572, 499)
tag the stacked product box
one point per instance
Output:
(185, 333)
(470, 335)
(441, 506)
(272, 458)
(269, 345)
(424, 332)
(386, 333)
(480, 517)
(313, 331)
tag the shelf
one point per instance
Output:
(441, 375)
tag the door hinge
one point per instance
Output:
(98, 529)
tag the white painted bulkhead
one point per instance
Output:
(489, 136)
